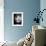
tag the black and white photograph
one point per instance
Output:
(17, 19)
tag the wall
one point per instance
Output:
(29, 7)
(43, 6)
(1, 21)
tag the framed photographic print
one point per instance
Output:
(17, 18)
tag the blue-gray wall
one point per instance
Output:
(29, 7)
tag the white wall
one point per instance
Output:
(1, 20)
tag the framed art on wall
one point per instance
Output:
(17, 18)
